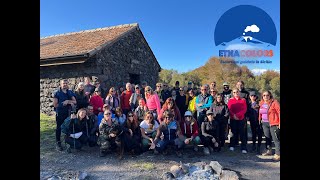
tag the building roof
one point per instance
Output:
(80, 43)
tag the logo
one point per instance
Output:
(246, 33)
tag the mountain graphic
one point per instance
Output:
(246, 40)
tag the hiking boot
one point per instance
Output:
(68, 149)
(267, 153)
(102, 153)
(253, 148)
(211, 149)
(58, 146)
(258, 150)
(155, 151)
(195, 148)
(276, 157)
(206, 151)
(179, 154)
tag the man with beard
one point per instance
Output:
(226, 93)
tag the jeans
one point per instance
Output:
(60, 117)
(269, 133)
(238, 128)
(256, 129)
(162, 144)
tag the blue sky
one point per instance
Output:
(179, 32)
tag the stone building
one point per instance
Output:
(115, 55)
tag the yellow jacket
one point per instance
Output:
(192, 105)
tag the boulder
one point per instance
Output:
(229, 175)
(216, 167)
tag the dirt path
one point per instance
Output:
(149, 166)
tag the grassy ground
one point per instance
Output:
(47, 133)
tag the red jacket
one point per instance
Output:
(273, 112)
(237, 107)
(124, 99)
(97, 102)
(189, 130)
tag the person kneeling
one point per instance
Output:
(73, 127)
(171, 132)
(190, 130)
(110, 135)
(210, 133)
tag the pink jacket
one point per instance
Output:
(153, 102)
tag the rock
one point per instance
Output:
(209, 169)
(54, 178)
(184, 168)
(82, 175)
(167, 176)
(175, 170)
(229, 175)
(216, 167)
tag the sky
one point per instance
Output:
(179, 32)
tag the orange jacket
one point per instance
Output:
(273, 112)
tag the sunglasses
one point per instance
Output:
(158, 86)
(209, 114)
(213, 91)
(203, 89)
(107, 114)
(149, 117)
(137, 87)
(180, 90)
(148, 90)
(130, 115)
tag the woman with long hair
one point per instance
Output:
(112, 99)
(120, 116)
(153, 101)
(170, 105)
(132, 134)
(81, 97)
(148, 129)
(269, 116)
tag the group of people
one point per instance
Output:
(139, 118)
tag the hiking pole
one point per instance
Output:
(74, 137)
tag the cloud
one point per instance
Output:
(258, 71)
(240, 47)
(252, 28)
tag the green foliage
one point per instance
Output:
(213, 70)
(47, 133)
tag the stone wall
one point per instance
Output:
(112, 65)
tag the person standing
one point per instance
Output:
(165, 92)
(153, 102)
(135, 97)
(97, 102)
(81, 98)
(112, 100)
(269, 115)
(237, 108)
(192, 103)
(203, 103)
(124, 99)
(143, 86)
(88, 87)
(64, 101)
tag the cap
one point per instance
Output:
(136, 86)
(253, 93)
(143, 82)
(97, 90)
(187, 113)
(225, 84)
(209, 112)
(190, 82)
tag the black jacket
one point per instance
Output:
(221, 112)
(210, 129)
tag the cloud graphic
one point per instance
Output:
(252, 28)
(258, 71)
(240, 47)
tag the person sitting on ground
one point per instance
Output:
(190, 130)
(148, 129)
(120, 117)
(170, 128)
(210, 133)
(74, 127)
(132, 134)
(110, 134)
(141, 110)
(171, 106)
(221, 112)
(93, 127)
